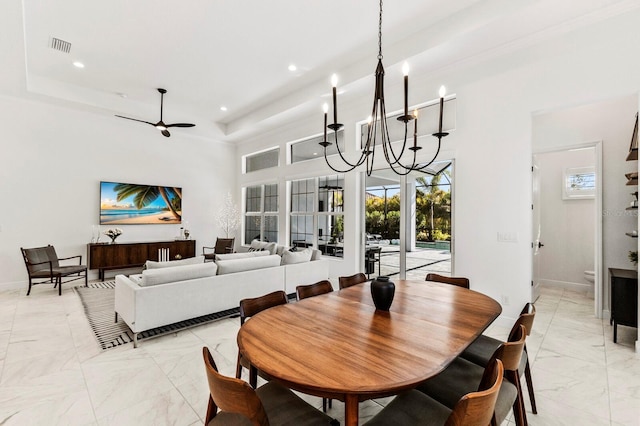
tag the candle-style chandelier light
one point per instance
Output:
(377, 125)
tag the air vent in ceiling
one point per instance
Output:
(60, 45)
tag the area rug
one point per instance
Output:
(98, 301)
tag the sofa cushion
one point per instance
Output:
(263, 245)
(244, 255)
(247, 264)
(157, 276)
(301, 256)
(151, 264)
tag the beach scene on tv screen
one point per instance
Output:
(131, 204)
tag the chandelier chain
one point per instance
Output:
(380, 32)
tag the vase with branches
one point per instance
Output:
(229, 216)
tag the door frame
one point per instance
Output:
(598, 261)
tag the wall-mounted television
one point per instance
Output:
(132, 204)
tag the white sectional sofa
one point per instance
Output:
(169, 292)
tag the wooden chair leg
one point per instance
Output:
(253, 377)
(238, 368)
(519, 410)
(59, 286)
(527, 376)
(29, 290)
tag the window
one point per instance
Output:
(262, 160)
(310, 148)
(261, 213)
(578, 183)
(428, 122)
(317, 218)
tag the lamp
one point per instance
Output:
(377, 125)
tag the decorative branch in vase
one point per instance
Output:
(229, 216)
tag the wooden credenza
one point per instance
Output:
(132, 255)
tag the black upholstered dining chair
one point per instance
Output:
(43, 264)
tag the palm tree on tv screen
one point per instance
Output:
(144, 195)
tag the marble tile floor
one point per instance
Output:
(52, 371)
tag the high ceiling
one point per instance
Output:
(214, 53)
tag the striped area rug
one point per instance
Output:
(98, 301)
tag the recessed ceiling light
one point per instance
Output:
(315, 153)
(78, 64)
(223, 108)
(292, 67)
(122, 95)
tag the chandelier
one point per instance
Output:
(377, 126)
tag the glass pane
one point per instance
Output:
(330, 193)
(301, 230)
(251, 229)
(262, 160)
(252, 200)
(302, 195)
(271, 228)
(428, 123)
(331, 235)
(271, 198)
(309, 149)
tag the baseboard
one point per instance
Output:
(567, 285)
(14, 285)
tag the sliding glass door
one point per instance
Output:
(408, 222)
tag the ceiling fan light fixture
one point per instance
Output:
(161, 126)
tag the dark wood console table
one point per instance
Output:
(624, 298)
(131, 255)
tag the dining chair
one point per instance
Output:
(269, 405)
(459, 281)
(345, 282)
(463, 376)
(43, 263)
(481, 350)
(416, 408)
(248, 308)
(222, 246)
(305, 291)
(321, 287)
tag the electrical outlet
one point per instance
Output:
(505, 300)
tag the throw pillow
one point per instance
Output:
(301, 256)
(151, 264)
(152, 277)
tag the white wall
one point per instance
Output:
(610, 121)
(567, 225)
(492, 143)
(53, 159)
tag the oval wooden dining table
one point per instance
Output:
(339, 346)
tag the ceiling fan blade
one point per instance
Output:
(181, 125)
(165, 133)
(135, 119)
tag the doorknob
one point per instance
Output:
(540, 244)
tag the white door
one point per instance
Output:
(537, 231)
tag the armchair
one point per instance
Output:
(223, 245)
(44, 264)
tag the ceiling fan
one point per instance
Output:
(160, 125)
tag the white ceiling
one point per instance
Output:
(209, 53)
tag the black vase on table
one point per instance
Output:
(382, 292)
